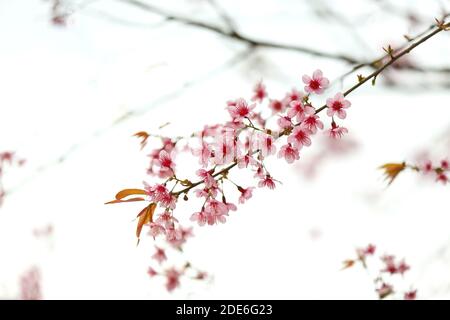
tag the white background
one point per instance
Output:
(66, 94)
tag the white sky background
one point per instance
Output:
(65, 100)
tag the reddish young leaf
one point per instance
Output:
(128, 200)
(128, 192)
(145, 216)
(348, 264)
(144, 136)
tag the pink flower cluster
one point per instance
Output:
(173, 274)
(30, 285)
(389, 266)
(439, 172)
(254, 131)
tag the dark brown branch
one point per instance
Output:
(234, 34)
(373, 75)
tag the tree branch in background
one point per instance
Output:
(235, 34)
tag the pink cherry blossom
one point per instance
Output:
(165, 161)
(293, 95)
(259, 172)
(30, 285)
(173, 279)
(300, 137)
(289, 152)
(410, 295)
(240, 109)
(217, 211)
(230, 206)
(337, 105)
(336, 131)
(260, 92)
(182, 235)
(267, 181)
(317, 84)
(312, 123)
(167, 165)
(370, 249)
(224, 148)
(445, 165)
(204, 153)
(245, 161)
(427, 167)
(159, 255)
(206, 193)
(160, 194)
(284, 122)
(166, 220)
(200, 217)
(300, 111)
(173, 234)
(402, 267)
(266, 143)
(276, 106)
(442, 177)
(156, 229)
(246, 193)
(207, 177)
(151, 272)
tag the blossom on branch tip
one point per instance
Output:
(317, 84)
(337, 105)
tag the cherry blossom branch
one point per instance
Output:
(222, 147)
(372, 76)
(393, 57)
(440, 172)
(389, 268)
(376, 63)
